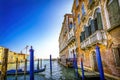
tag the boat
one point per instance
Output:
(21, 72)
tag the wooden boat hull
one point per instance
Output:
(20, 72)
(13, 72)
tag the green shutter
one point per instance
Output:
(86, 31)
(84, 35)
(89, 30)
(92, 26)
(81, 38)
(99, 21)
(95, 24)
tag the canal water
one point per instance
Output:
(59, 72)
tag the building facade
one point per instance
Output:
(65, 35)
(12, 58)
(96, 22)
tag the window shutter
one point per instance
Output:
(81, 38)
(92, 26)
(89, 27)
(86, 31)
(95, 24)
(99, 21)
(84, 35)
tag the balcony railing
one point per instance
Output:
(96, 37)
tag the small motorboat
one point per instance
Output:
(21, 72)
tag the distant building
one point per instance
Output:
(64, 37)
(96, 22)
(12, 57)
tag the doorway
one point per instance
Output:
(94, 61)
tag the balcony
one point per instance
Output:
(71, 35)
(96, 37)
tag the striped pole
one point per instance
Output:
(50, 63)
(31, 64)
(99, 62)
(82, 69)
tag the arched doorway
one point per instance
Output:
(93, 61)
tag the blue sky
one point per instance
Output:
(32, 22)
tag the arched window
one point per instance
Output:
(89, 21)
(83, 9)
(98, 19)
(78, 18)
(70, 25)
(77, 3)
(113, 7)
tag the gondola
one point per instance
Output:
(21, 72)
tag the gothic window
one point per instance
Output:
(83, 35)
(83, 9)
(93, 25)
(89, 27)
(86, 31)
(74, 26)
(78, 18)
(113, 8)
(70, 26)
(98, 19)
(77, 3)
(80, 38)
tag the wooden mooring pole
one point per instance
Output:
(41, 63)
(16, 68)
(4, 64)
(38, 65)
(82, 68)
(25, 67)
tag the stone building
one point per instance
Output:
(12, 58)
(98, 22)
(65, 35)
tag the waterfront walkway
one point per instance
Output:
(89, 75)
